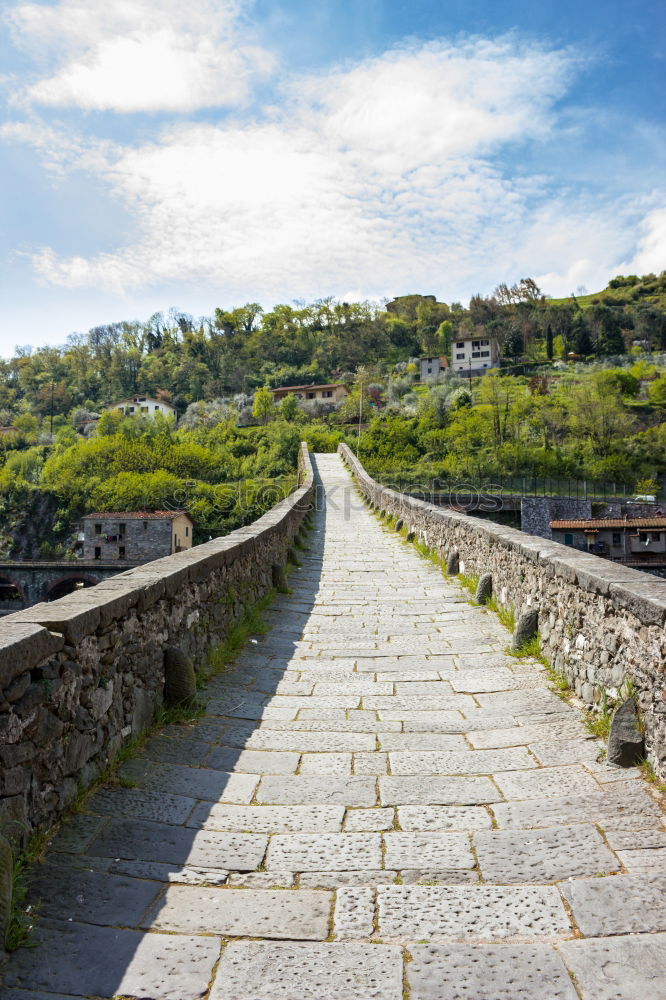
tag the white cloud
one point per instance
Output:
(650, 253)
(384, 177)
(137, 55)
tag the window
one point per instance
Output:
(98, 552)
(568, 539)
(121, 530)
(460, 357)
(187, 531)
(144, 409)
(131, 409)
(156, 407)
(327, 394)
(98, 529)
(476, 354)
(309, 395)
(485, 354)
(484, 343)
(476, 344)
(461, 344)
(617, 538)
(121, 551)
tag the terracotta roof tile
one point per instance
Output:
(610, 522)
(138, 515)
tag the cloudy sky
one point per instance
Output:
(158, 154)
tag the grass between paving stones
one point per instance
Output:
(649, 775)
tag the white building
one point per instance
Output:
(474, 354)
(142, 405)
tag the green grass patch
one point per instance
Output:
(599, 723)
(250, 623)
(505, 613)
(469, 581)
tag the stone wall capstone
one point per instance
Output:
(600, 623)
(81, 676)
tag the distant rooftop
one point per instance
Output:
(138, 515)
(611, 522)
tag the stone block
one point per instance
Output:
(618, 968)
(471, 911)
(334, 971)
(329, 851)
(298, 915)
(488, 972)
(180, 683)
(625, 740)
(354, 913)
(297, 790)
(268, 819)
(625, 904)
(508, 856)
(448, 851)
(22, 646)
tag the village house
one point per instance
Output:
(136, 536)
(429, 367)
(635, 541)
(142, 405)
(474, 353)
(333, 392)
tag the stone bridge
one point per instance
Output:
(25, 583)
(378, 801)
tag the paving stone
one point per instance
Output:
(268, 819)
(613, 807)
(548, 733)
(471, 911)
(437, 688)
(261, 880)
(331, 971)
(141, 803)
(319, 714)
(353, 685)
(327, 851)
(438, 876)
(546, 782)
(415, 675)
(466, 762)
(618, 968)
(142, 841)
(651, 859)
(354, 913)
(104, 962)
(625, 904)
(311, 742)
(423, 741)
(566, 752)
(175, 751)
(297, 916)
(253, 761)
(351, 724)
(488, 972)
(326, 763)
(76, 834)
(368, 820)
(542, 855)
(426, 818)
(431, 850)
(432, 790)
(203, 783)
(627, 840)
(415, 703)
(157, 872)
(370, 763)
(326, 790)
(333, 880)
(91, 897)
(479, 681)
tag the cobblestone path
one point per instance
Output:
(378, 804)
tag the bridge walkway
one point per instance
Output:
(378, 804)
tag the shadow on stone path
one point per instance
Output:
(378, 800)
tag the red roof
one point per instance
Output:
(611, 522)
(138, 515)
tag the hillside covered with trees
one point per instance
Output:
(580, 394)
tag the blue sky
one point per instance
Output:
(158, 155)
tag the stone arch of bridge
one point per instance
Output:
(67, 584)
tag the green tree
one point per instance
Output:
(289, 408)
(549, 342)
(263, 406)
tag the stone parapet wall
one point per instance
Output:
(81, 676)
(601, 624)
